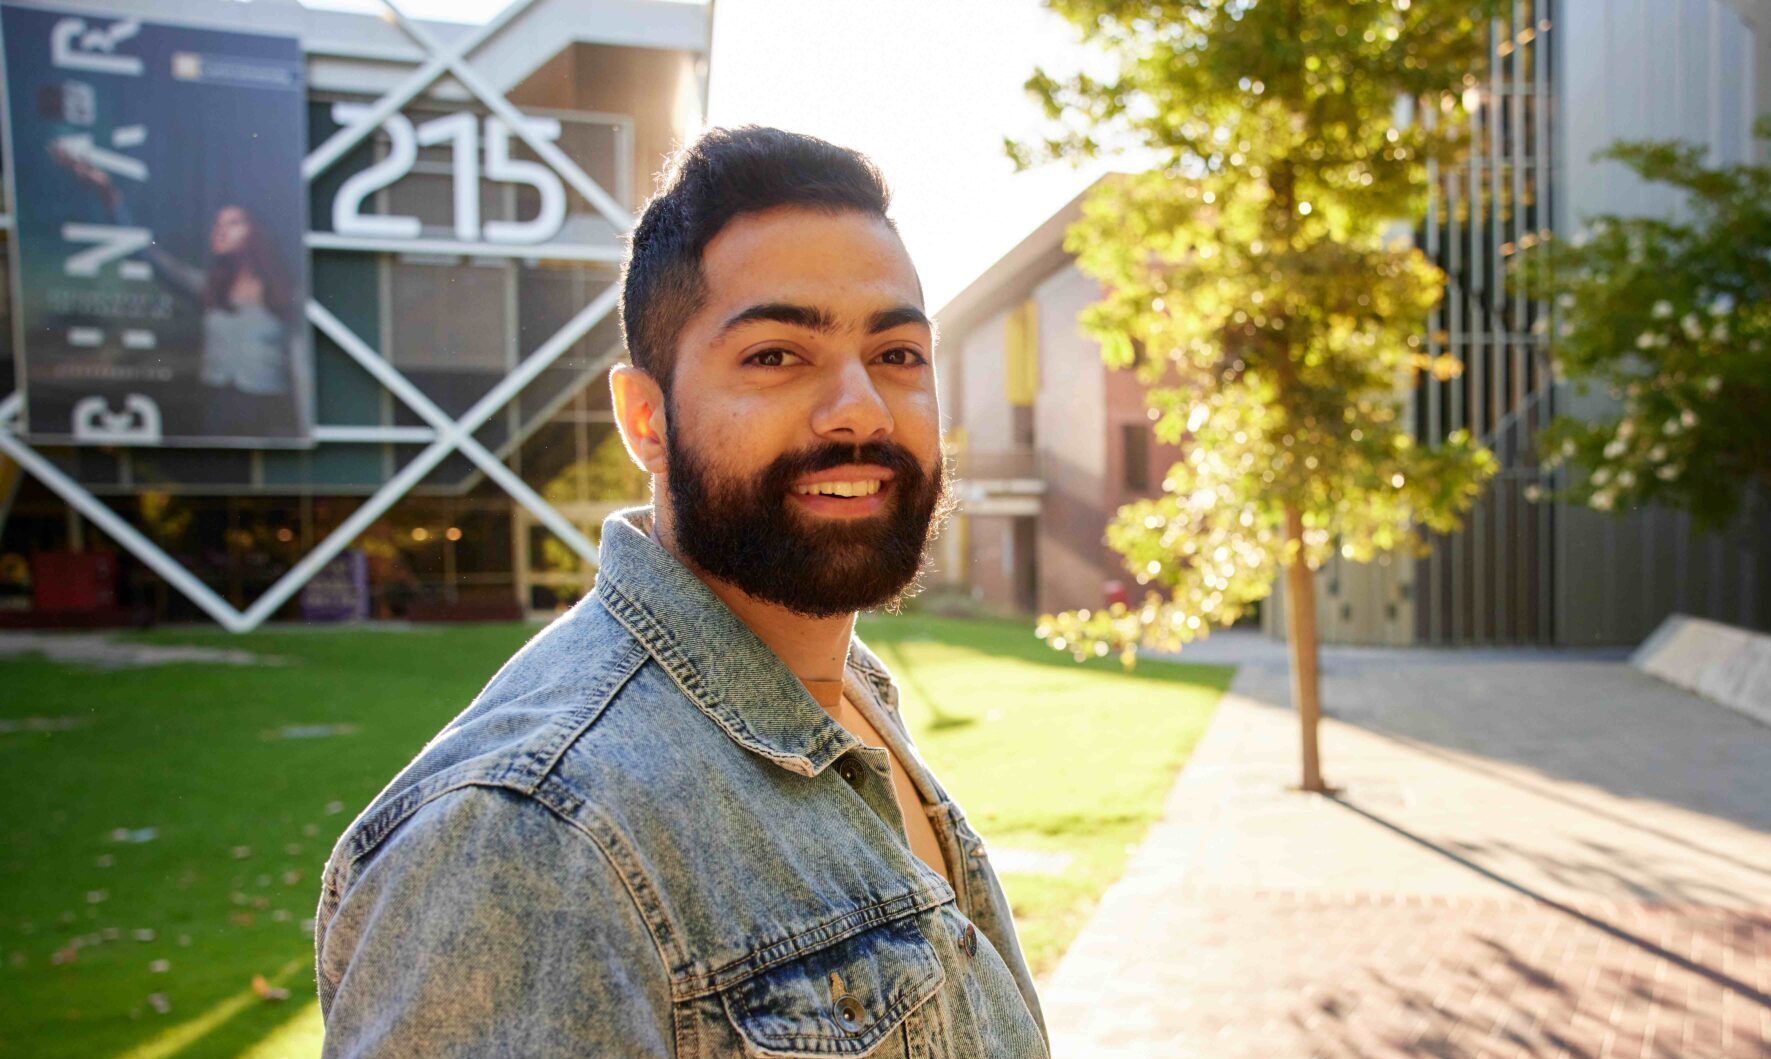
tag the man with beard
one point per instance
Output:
(686, 818)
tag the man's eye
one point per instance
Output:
(903, 356)
(770, 358)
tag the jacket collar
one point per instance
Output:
(730, 674)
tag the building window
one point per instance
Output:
(1135, 444)
(1026, 564)
(1020, 355)
(449, 315)
(1021, 370)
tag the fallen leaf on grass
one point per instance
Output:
(310, 731)
(267, 991)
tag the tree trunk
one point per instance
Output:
(1300, 628)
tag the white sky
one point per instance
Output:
(927, 88)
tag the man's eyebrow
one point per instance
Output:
(809, 317)
(815, 318)
(886, 319)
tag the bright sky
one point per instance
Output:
(927, 88)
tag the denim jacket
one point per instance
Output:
(645, 838)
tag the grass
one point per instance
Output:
(1047, 756)
(1055, 762)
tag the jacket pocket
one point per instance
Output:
(844, 999)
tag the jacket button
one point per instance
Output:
(848, 770)
(970, 940)
(850, 1014)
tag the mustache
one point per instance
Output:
(886, 454)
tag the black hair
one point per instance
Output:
(710, 182)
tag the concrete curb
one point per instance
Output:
(1724, 664)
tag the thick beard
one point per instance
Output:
(750, 533)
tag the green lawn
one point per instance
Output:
(104, 922)
(1059, 766)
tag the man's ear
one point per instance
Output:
(639, 414)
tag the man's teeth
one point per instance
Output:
(862, 488)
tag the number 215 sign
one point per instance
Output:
(463, 132)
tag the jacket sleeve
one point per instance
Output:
(486, 925)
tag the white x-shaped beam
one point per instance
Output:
(451, 435)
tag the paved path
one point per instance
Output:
(1536, 854)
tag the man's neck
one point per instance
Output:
(812, 648)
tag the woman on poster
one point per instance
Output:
(248, 316)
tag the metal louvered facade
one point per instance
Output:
(1492, 582)
(1566, 78)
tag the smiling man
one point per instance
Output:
(686, 819)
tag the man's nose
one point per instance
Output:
(853, 410)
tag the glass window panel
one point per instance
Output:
(192, 466)
(485, 545)
(1135, 438)
(336, 466)
(448, 315)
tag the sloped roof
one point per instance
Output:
(1015, 274)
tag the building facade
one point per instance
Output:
(1565, 78)
(1047, 441)
(423, 329)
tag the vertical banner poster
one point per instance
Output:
(159, 272)
(340, 591)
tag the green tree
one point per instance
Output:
(1672, 317)
(1260, 276)
(606, 473)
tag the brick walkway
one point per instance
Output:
(1535, 854)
